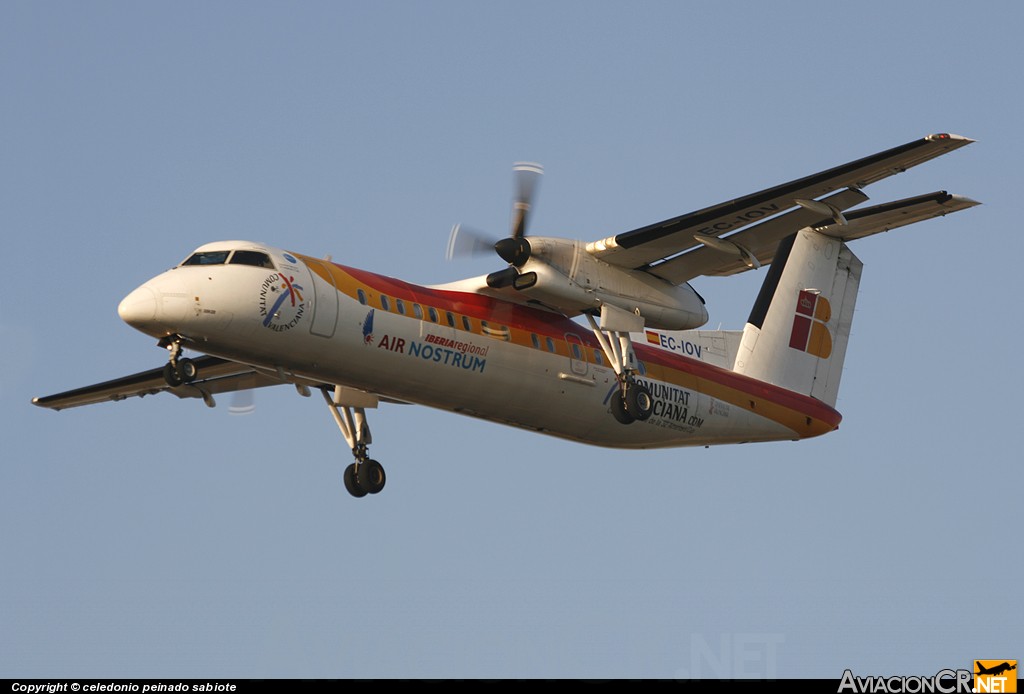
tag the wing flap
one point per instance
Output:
(647, 245)
(760, 241)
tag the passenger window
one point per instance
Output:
(385, 303)
(432, 312)
(400, 306)
(417, 311)
(207, 258)
(466, 324)
(598, 358)
(577, 353)
(451, 319)
(362, 296)
(535, 340)
(550, 343)
(254, 258)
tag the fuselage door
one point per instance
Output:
(577, 354)
(325, 302)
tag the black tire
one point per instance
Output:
(351, 485)
(171, 375)
(619, 410)
(639, 403)
(371, 476)
(187, 370)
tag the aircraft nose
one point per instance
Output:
(138, 309)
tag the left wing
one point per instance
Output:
(216, 375)
(644, 248)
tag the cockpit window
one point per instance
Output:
(251, 258)
(207, 258)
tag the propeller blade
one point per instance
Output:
(527, 176)
(466, 241)
(244, 401)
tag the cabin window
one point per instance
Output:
(466, 324)
(385, 303)
(535, 340)
(550, 344)
(598, 357)
(207, 258)
(577, 353)
(451, 319)
(255, 258)
(362, 296)
(432, 312)
(417, 311)
(641, 368)
(400, 306)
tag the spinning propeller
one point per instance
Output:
(514, 249)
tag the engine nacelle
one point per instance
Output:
(561, 274)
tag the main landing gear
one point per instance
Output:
(633, 401)
(365, 475)
(178, 369)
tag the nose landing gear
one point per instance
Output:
(178, 369)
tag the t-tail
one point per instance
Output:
(798, 330)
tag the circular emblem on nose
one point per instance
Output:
(281, 303)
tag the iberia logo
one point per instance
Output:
(995, 675)
(809, 334)
(281, 303)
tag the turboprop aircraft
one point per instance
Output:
(595, 342)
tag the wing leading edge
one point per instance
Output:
(648, 248)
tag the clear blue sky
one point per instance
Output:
(161, 538)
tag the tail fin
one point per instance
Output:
(798, 330)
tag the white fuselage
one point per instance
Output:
(313, 320)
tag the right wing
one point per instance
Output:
(215, 376)
(647, 247)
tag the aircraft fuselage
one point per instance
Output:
(317, 321)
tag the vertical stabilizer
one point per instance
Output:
(799, 327)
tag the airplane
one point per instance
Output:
(995, 670)
(598, 342)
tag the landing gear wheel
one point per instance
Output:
(639, 403)
(370, 476)
(622, 416)
(351, 485)
(187, 370)
(171, 375)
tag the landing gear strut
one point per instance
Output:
(633, 401)
(365, 475)
(178, 369)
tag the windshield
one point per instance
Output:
(207, 258)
